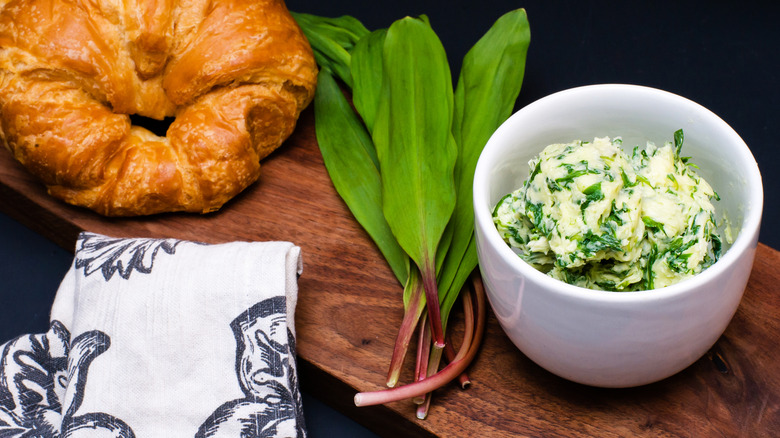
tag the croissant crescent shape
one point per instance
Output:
(235, 74)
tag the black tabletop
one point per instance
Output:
(716, 53)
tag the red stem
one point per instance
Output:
(411, 317)
(434, 311)
(423, 353)
(463, 379)
(468, 350)
(422, 409)
(423, 348)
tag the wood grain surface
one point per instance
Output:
(350, 308)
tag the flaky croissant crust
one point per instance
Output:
(235, 75)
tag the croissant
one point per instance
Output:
(235, 75)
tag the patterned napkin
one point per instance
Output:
(161, 338)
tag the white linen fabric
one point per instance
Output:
(161, 338)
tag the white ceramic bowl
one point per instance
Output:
(616, 339)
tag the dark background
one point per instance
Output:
(722, 55)
(718, 54)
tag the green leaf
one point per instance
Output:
(652, 224)
(332, 39)
(592, 243)
(413, 140)
(592, 194)
(648, 279)
(481, 106)
(416, 150)
(345, 145)
(367, 75)
(678, 141)
(345, 30)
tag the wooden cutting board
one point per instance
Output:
(350, 308)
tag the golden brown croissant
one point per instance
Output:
(235, 74)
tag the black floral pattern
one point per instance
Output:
(109, 256)
(265, 351)
(35, 371)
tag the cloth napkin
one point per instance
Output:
(161, 338)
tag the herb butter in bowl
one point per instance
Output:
(594, 216)
(616, 227)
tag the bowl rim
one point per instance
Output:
(740, 247)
